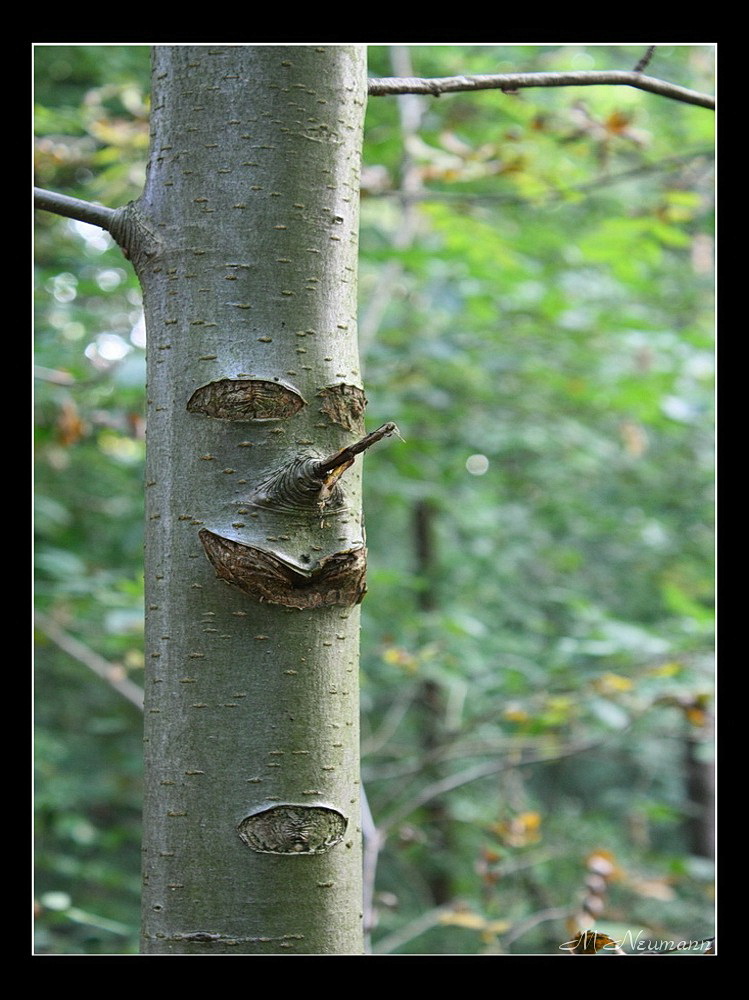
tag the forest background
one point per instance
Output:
(536, 314)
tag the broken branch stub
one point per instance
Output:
(348, 454)
(304, 486)
(308, 484)
(296, 488)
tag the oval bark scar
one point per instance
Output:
(292, 830)
(246, 399)
(336, 579)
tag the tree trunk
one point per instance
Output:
(245, 243)
(700, 782)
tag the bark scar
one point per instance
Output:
(336, 579)
(293, 830)
(246, 399)
(344, 405)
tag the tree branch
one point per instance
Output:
(483, 769)
(670, 163)
(508, 82)
(109, 672)
(74, 208)
(642, 63)
(523, 926)
(414, 929)
(347, 455)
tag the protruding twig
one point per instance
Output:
(645, 59)
(347, 455)
(109, 672)
(74, 208)
(516, 81)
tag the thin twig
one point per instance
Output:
(53, 376)
(74, 208)
(377, 739)
(645, 59)
(483, 770)
(387, 86)
(523, 926)
(414, 929)
(347, 455)
(669, 163)
(109, 672)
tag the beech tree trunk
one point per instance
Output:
(245, 243)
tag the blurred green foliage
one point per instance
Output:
(537, 317)
(91, 142)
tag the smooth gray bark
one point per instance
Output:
(245, 243)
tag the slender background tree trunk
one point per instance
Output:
(245, 242)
